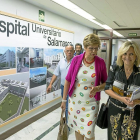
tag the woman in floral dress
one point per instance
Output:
(85, 79)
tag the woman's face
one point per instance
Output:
(92, 50)
(129, 57)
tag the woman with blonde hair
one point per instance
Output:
(85, 79)
(123, 79)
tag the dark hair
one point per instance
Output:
(78, 44)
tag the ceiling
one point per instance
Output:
(123, 12)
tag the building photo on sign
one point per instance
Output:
(14, 96)
(51, 59)
(38, 77)
(7, 58)
(37, 96)
(36, 57)
(22, 59)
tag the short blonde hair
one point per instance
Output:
(124, 48)
(91, 39)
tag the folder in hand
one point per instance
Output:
(135, 95)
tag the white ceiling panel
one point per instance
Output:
(121, 9)
(134, 9)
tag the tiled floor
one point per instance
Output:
(42, 129)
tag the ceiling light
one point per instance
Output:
(71, 6)
(106, 27)
(95, 22)
(98, 20)
(128, 39)
(74, 8)
(118, 34)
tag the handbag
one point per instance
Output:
(102, 119)
(102, 116)
(63, 128)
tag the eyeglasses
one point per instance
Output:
(91, 49)
(69, 51)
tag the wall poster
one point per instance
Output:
(29, 54)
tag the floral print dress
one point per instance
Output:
(83, 108)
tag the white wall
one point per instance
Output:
(29, 11)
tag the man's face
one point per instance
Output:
(69, 51)
(78, 49)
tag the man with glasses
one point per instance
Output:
(61, 70)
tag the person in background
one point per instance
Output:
(115, 59)
(61, 70)
(123, 79)
(78, 49)
(85, 79)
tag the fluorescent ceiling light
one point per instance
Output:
(74, 8)
(128, 39)
(71, 6)
(95, 22)
(106, 27)
(118, 34)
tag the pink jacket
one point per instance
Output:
(100, 70)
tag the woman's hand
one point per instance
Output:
(136, 102)
(63, 105)
(126, 100)
(93, 90)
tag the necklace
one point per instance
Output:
(88, 62)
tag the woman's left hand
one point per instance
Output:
(93, 90)
(136, 102)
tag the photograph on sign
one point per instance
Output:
(22, 59)
(38, 77)
(51, 60)
(37, 96)
(36, 57)
(7, 58)
(14, 96)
